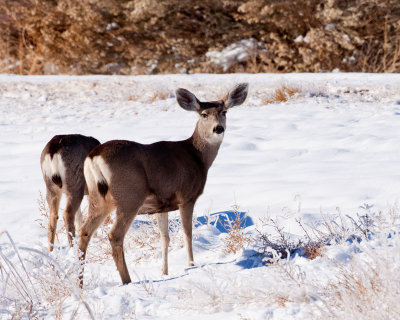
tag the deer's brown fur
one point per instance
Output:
(62, 167)
(156, 178)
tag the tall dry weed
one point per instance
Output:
(237, 237)
(35, 283)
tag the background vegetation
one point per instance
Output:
(182, 36)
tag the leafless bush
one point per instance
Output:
(180, 36)
(363, 286)
(315, 239)
(280, 243)
(237, 237)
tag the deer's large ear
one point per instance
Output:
(187, 100)
(237, 96)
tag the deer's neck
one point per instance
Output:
(208, 150)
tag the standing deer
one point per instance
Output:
(154, 178)
(62, 167)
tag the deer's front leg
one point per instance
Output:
(186, 211)
(162, 220)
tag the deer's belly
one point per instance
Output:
(152, 204)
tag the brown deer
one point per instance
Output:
(154, 178)
(62, 167)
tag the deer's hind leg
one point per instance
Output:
(74, 200)
(53, 197)
(99, 209)
(78, 219)
(123, 220)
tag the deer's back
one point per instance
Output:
(169, 172)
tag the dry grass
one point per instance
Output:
(282, 94)
(45, 216)
(237, 237)
(158, 96)
(368, 286)
(143, 239)
(313, 248)
(365, 285)
(142, 242)
(386, 56)
(316, 239)
(149, 97)
(39, 282)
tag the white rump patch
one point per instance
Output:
(55, 166)
(96, 170)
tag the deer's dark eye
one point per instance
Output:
(204, 115)
(224, 113)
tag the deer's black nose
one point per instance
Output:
(219, 129)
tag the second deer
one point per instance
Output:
(62, 167)
(134, 178)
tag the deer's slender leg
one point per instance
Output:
(98, 212)
(78, 219)
(53, 197)
(162, 220)
(186, 211)
(99, 209)
(73, 205)
(116, 236)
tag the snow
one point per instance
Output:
(330, 150)
(235, 52)
(299, 38)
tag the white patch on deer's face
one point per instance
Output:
(210, 120)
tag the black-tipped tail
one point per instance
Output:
(102, 186)
(57, 180)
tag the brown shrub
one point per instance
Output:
(166, 36)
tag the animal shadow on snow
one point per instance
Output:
(219, 220)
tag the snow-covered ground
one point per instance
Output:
(330, 151)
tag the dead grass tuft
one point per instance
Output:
(45, 216)
(282, 94)
(237, 237)
(159, 96)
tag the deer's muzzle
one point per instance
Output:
(219, 129)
